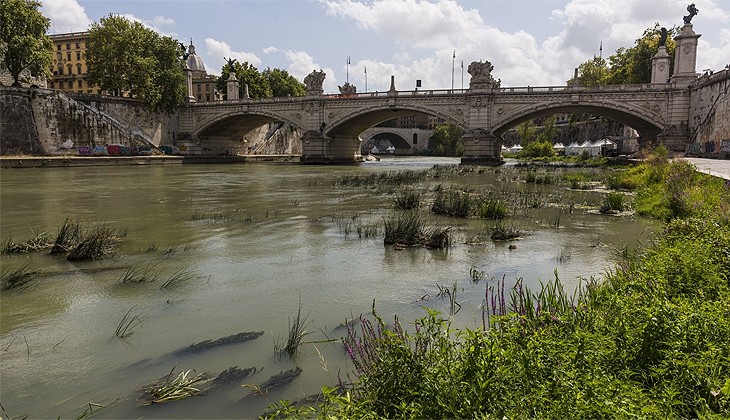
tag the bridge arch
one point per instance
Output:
(646, 122)
(238, 124)
(397, 140)
(353, 124)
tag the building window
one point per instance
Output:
(69, 69)
(78, 45)
(59, 56)
(68, 46)
(81, 84)
(60, 85)
(207, 87)
(78, 55)
(53, 85)
(198, 88)
(79, 67)
(415, 138)
(68, 56)
(200, 97)
(60, 70)
(207, 98)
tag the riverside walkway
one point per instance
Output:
(715, 167)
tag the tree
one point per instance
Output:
(124, 56)
(549, 130)
(593, 72)
(448, 140)
(526, 131)
(282, 83)
(633, 65)
(247, 74)
(23, 41)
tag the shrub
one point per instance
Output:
(612, 202)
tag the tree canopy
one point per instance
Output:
(448, 140)
(266, 84)
(628, 65)
(124, 56)
(23, 41)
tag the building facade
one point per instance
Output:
(69, 64)
(204, 88)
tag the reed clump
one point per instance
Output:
(145, 274)
(101, 241)
(407, 200)
(16, 279)
(410, 229)
(613, 202)
(297, 332)
(40, 241)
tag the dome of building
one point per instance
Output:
(194, 62)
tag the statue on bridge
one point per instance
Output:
(231, 63)
(481, 75)
(663, 37)
(314, 80)
(692, 13)
(348, 89)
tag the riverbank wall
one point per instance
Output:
(79, 161)
(710, 114)
(48, 122)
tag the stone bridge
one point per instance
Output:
(332, 124)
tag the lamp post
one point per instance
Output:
(453, 61)
(366, 79)
(462, 74)
(348, 69)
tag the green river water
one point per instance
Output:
(258, 238)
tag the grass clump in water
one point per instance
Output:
(101, 241)
(16, 279)
(146, 274)
(39, 242)
(613, 203)
(179, 388)
(297, 332)
(180, 276)
(69, 234)
(409, 229)
(407, 200)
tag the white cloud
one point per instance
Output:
(715, 58)
(216, 50)
(157, 24)
(441, 26)
(65, 15)
(301, 64)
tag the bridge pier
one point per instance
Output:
(482, 147)
(318, 148)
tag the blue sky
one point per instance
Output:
(535, 43)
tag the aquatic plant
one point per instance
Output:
(453, 203)
(491, 207)
(16, 279)
(407, 200)
(404, 228)
(612, 202)
(144, 274)
(101, 241)
(503, 232)
(39, 242)
(297, 332)
(127, 324)
(69, 234)
(179, 276)
(176, 389)
(475, 274)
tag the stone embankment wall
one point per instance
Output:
(50, 122)
(710, 115)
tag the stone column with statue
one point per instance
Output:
(660, 63)
(481, 145)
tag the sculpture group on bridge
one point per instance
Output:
(481, 75)
(314, 80)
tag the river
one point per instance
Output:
(256, 240)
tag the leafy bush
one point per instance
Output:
(538, 149)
